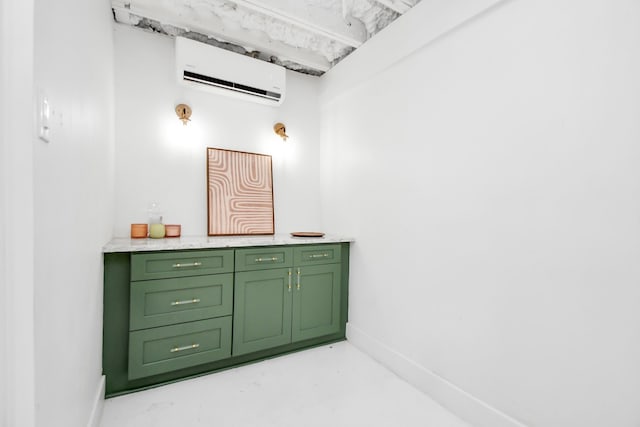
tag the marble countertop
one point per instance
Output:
(125, 244)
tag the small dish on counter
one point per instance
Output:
(307, 234)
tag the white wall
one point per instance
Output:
(17, 394)
(160, 160)
(491, 181)
(74, 203)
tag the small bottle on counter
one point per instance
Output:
(156, 227)
(157, 231)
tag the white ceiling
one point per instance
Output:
(309, 36)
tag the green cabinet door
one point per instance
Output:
(164, 302)
(316, 301)
(158, 350)
(262, 310)
(263, 258)
(164, 265)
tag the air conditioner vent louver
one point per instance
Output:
(220, 71)
(200, 78)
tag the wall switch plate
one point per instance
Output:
(44, 118)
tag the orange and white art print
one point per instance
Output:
(239, 193)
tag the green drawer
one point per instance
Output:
(164, 265)
(316, 254)
(263, 258)
(167, 301)
(159, 350)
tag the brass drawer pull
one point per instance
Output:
(191, 264)
(298, 284)
(186, 347)
(189, 301)
(289, 280)
(272, 259)
(319, 255)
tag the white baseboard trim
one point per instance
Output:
(456, 400)
(98, 404)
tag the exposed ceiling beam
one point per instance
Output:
(399, 6)
(211, 25)
(311, 18)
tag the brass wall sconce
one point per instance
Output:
(279, 129)
(184, 112)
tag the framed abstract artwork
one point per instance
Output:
(239, 193)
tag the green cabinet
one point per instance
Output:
(262, 310)
(160, 265)
(175, 314)
(316, 302)
(180, 312)
(159, 350)
(163, 302)
(284, 305)
(263, 258)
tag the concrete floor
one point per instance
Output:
(335, 385)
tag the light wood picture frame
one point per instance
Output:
(239, 193)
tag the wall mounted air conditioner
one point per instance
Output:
(207, 67)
